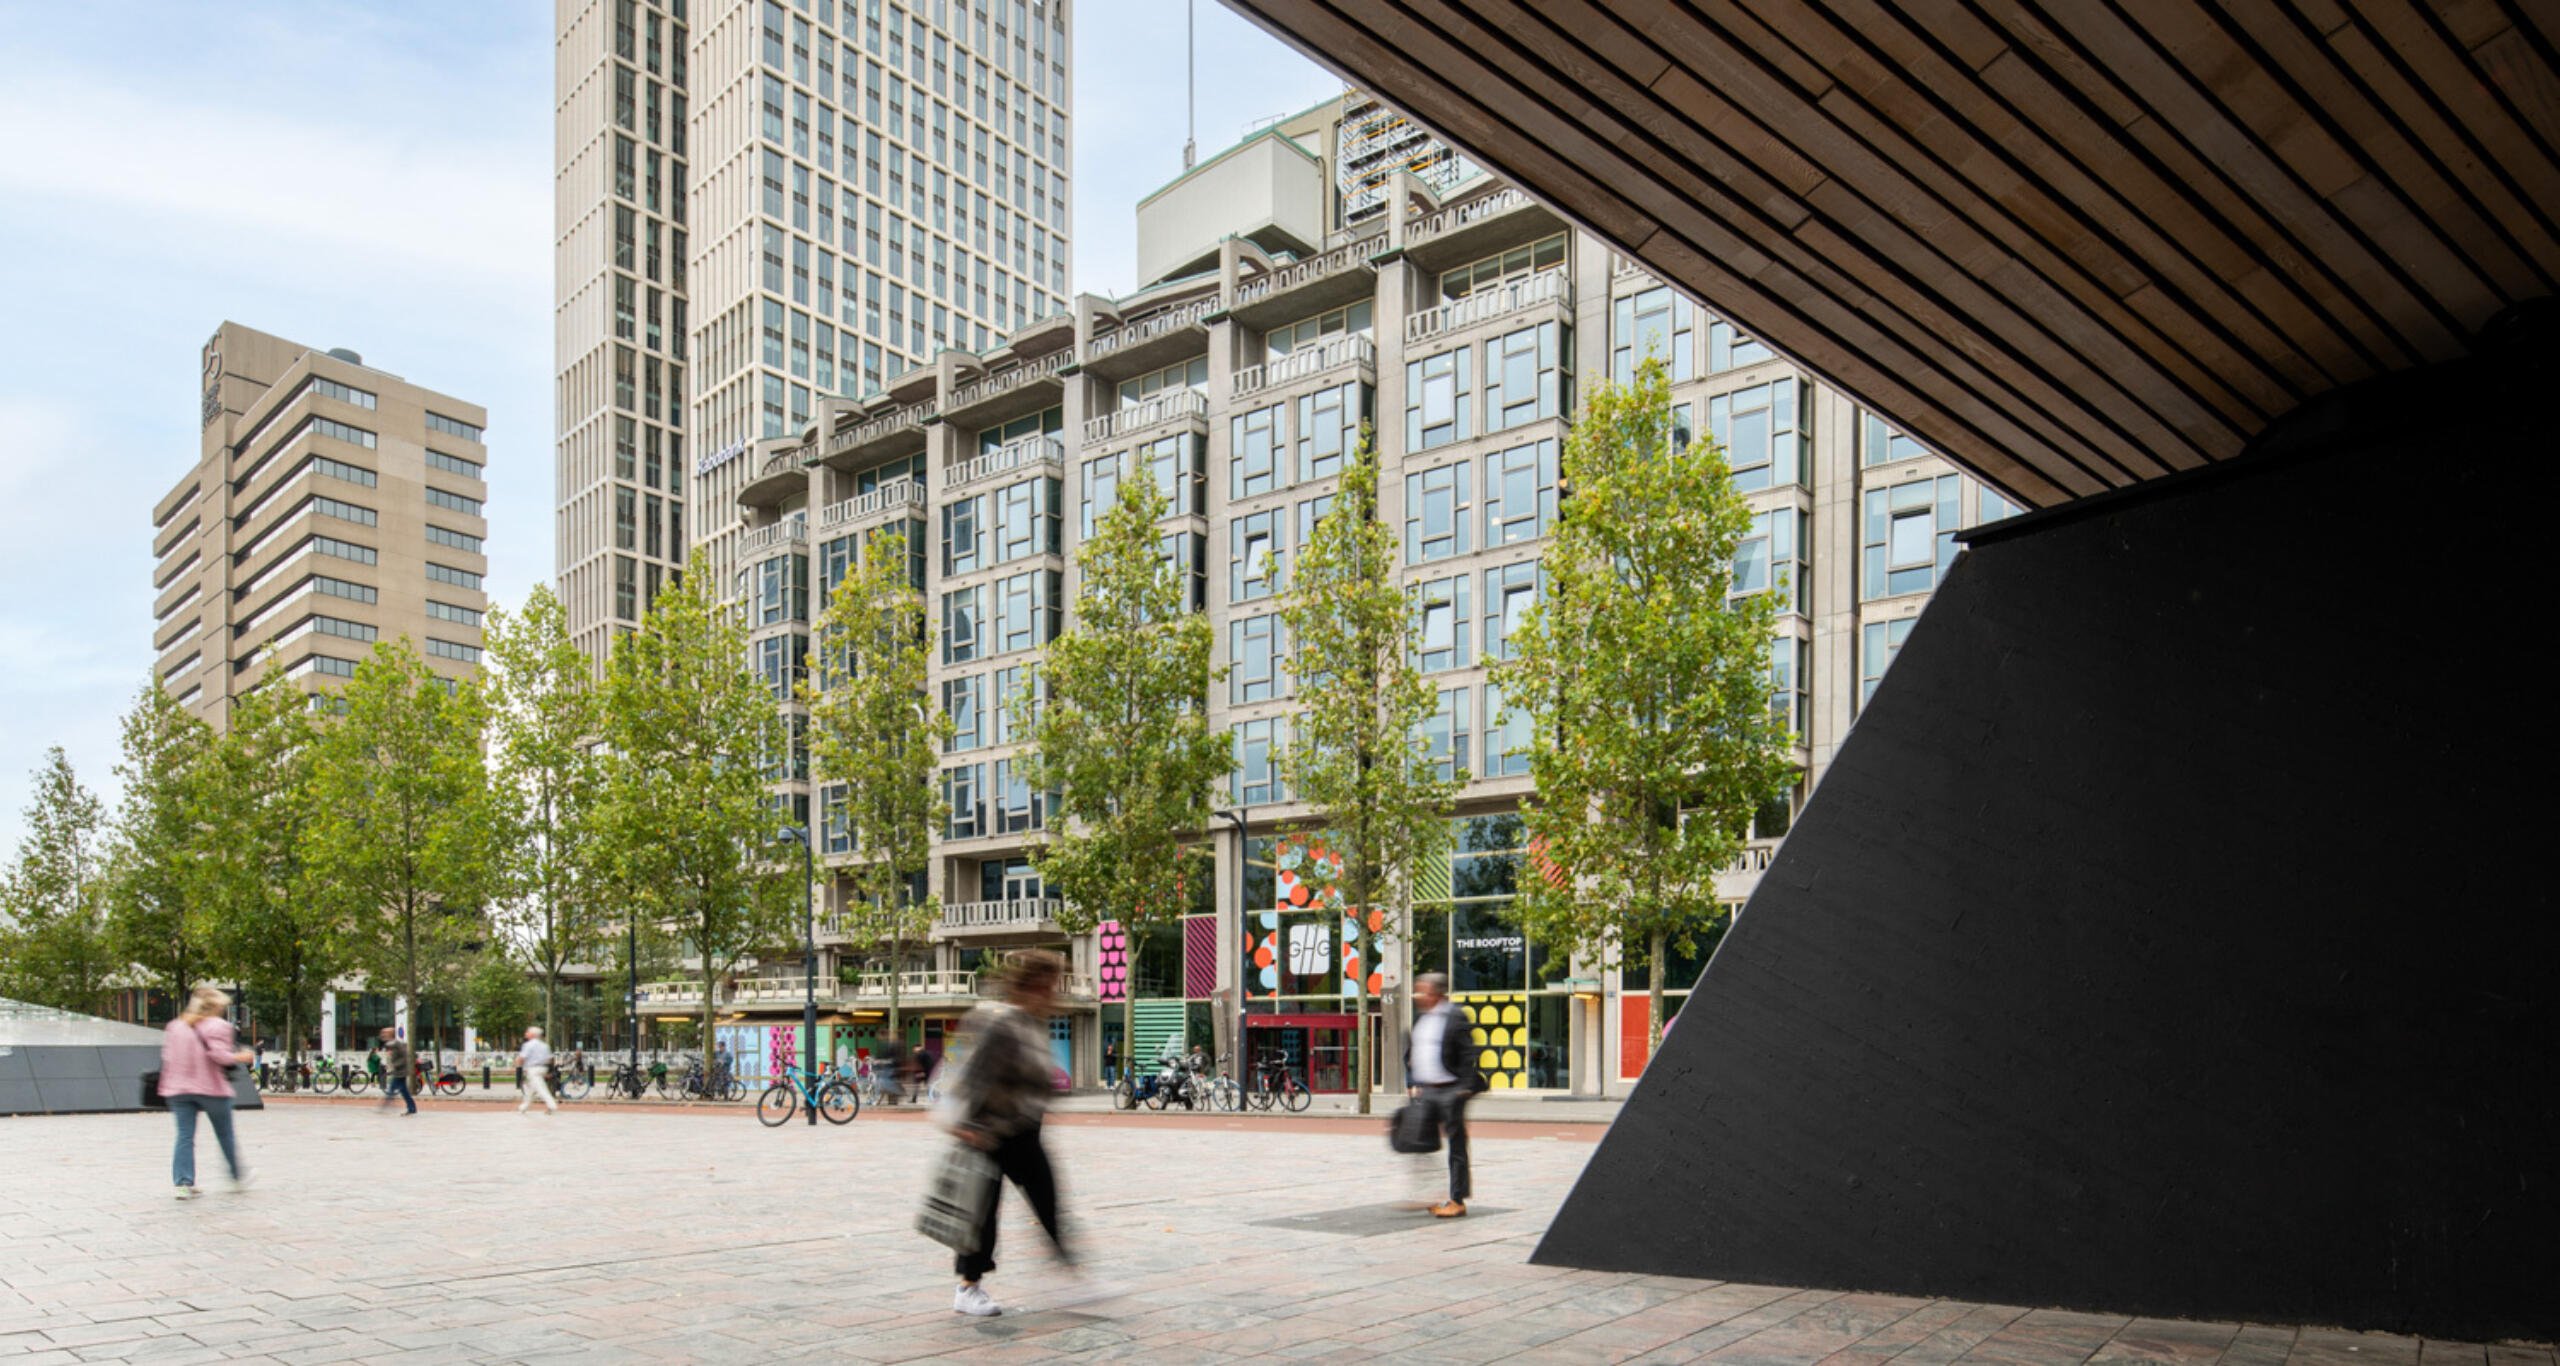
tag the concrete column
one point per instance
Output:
(329, 1022)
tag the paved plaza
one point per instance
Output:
(473, 1234)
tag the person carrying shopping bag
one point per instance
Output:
(994, 1105)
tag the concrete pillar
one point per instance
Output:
(328, 1022)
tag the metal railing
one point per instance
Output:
(781, 989)
(791, 530)
(1284, 278)
(932, 982)
(777, 462)
(1332, 352)
(1491, 303)
(1452, 217)
(872, 429)
(1151, 326)
(657, 994)
(1005, 381)
(1181, 403)
(1037, 449)
(999, 915)
(893, 497)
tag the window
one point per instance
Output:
(446, 649)
(1791, 684)
(330, 388)
(1256, 455)
(964, 700)
(1329, 422)
(1878, 643)
(1255, 647)
(1257, 780)
(1254, 567)
(1909, 536)
(963, 612)
(1509, 592)
(1524, 376)
(1025, 520)
(1880, 444)
(1520, 493)
(1026, 611)
(1179, 464)
(1445, 733)
(451, 502)
(445, 611)
(1441, 605)
(964, 790)
(1507, 736)
(1437, 389)
(1190, 374)
(1101, 489)
(453, 539)
(1771, 555)
(1729, 348)
(1504, 268)
(1351, 320)
(1994, 507)
(1017, 806)
(835, 835)
(459, 578)
(960, 540)
(438, 422)
(781, 661)
(1763, 443)
(344, 511)
(454, 464)
(1013, 687)
(1436, 507)
(778, 590)
(1655, 323)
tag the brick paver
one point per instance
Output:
(470, 1234)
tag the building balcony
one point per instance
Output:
(880, 434)
(1151, 342)
(881, 504)
(1180, 405)
(1008, 392)
(776, 476)
(1022, 453)
(783, 989)
(1477, 225)
(1486, 305)
(1334, 353)
(962, 919)
(790, 531)
(672, 996)
(1312, 285)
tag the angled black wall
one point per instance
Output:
(2174, 932)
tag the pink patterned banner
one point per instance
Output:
(1111, 946)
(1199, 956)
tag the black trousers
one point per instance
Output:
(1449, 1110)
(1020, 1159)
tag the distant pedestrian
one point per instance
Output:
(196, 1052)
(397, 1079)
(1111, 1064)
(373, 1063)
(1440, 1064)
(533, 1064)
(996, 1101)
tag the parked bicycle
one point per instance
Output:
(722, 1084)
(832, 1096)
(1273, 1081)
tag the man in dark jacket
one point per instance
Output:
(1441, 1075)
(396, 1078)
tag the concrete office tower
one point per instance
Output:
(332, 505)
(1463, 323)
(822, 195)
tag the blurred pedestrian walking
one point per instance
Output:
(995, 1104)
(533, 1066)
(1440, 1064)
(397, 1079)
(197, 1051)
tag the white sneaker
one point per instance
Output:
(974, 1300)
(186, 1192)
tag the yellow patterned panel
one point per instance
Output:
(1501, 1035)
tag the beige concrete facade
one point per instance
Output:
(331, 505)
(823, 195)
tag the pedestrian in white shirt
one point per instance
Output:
(533, 1064)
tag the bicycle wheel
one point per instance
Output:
(737, 1090)
(1294, 1095)
(1125, 1095)
(838, 1102)
(357, 1083)
(1157, 1098)
(776, 1106)
(1260, 1096)
(324, 1081)
(450, 1084)
(574, 1086)
(1226, 1095)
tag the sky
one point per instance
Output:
(367, 175)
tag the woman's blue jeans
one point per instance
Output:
(184, 1109)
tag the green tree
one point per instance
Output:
(282, 941)
(1649, 678)
(545, 713)
(498, 995)
(402, 829)
(1123, 737)
(153, 921)
(874, 729)
(1358, 759)
(687, 825)
(54, 947)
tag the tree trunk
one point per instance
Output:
(1358, 952)
(1653, 1009)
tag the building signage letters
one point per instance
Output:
(1499, 943)
(720, 457)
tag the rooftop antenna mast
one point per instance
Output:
(1190, 85)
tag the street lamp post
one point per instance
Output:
(1236, 818)
(631, 928)
(809, 967)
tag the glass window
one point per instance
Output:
(1909, 535)
(964, 700)
(1437, 504)
(1764, 443)
(960, 534)
(1509, 592)
(1879, 642)
(1444, 626)
(1255, 565)
(1329, 423)
(1349, 320)
(1255, 438)
(1017, 806)
(1994, 507)
(1507, 736)
(1487, 952)
(1100, 489)
(1791, 683)
(1880, 444)
(1657, 322)
(1026, 611)
(1445, 732)
(1504, 268)
(1524, 376)
(1190, 374)
(1772, 554)
(1013, 685)
(1520, 497)
(964, 789)
(1437, 393)
(1257, 782)
(1025, 516)
(963, 613)
(1180, 464)
(1254, 653)
(1729, 348)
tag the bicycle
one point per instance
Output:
(629, 1082)
(1274, 1081)
(1223, 1092)
(571, 1083)
(830, 1096)
(722, 1085)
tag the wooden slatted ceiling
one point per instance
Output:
(2073, 244)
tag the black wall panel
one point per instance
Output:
(2173, 934)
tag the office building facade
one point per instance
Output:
(764, 205)
(330, 505)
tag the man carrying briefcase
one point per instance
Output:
(1440, 1065)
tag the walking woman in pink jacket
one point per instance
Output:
(194, 1051)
